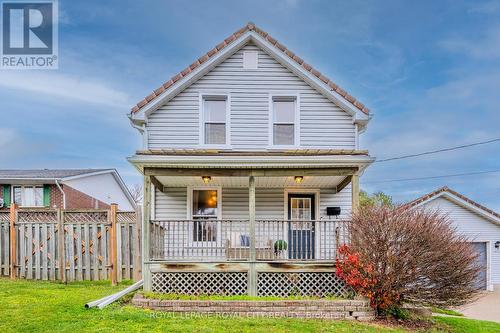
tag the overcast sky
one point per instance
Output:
(428, 70)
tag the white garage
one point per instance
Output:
(480, 224)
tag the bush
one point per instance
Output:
(399, 256)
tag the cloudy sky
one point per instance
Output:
(428, 70)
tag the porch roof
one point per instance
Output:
(321, 161)
(308, 182)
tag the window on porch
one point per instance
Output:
(205, 212)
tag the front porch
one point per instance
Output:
(261, 230)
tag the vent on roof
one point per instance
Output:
(250, 59)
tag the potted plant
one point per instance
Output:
(279, 247)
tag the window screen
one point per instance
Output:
(284, 121)
(215, 120)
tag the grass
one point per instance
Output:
(228, 298)
(462, 325)
(447, 312)
(27, 306)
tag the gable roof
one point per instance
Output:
(47, 173)
(457, 198)
(250, 27)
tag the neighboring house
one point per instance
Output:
(251, 161)
(69, 189)
(480, 224)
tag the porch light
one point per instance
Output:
(299, 179)
(206, 179)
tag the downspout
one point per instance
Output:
(62, 192)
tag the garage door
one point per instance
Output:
(481, 250)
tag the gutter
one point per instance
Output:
(62, 192)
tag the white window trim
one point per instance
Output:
(201, 117)
(489, 285)
(12, 197)
(296, 133)
(190, 190)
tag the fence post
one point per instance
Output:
(137, 242)
(113, 243)
(12, 243)
(61, 241)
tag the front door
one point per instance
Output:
(301, 215)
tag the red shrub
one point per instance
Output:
(398, 256)
(357, 274)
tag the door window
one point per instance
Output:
(301, 209)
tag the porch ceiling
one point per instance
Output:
(260, 182)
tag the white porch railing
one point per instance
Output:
(230, 240)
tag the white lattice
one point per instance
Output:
(39, 216)
(126, 217)
(219, 283)
(4, 216)
(302, 283)
(86, 217)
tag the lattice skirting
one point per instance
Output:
(301, 283)
(283, 284)
(214, 283)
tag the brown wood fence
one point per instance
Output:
(70, 245)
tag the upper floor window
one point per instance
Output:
(284, 115)
(215, 116)
(28, 196)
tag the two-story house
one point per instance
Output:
(251, 166)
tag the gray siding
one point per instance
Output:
(322, 123)
(235, 203)
(269, 203)
(343, 199)
(475, 227)
(171, 205)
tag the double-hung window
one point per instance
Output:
(205, 211)
(215, 115)
(284, 115)
(28, 196)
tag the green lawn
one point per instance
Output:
(27, 306)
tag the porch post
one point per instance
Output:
(252, 274)
(355, 192)
(146, 211)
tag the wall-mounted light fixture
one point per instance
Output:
(299, 179)
(497, 245)
(206, 179)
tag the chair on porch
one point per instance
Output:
(238, 247)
